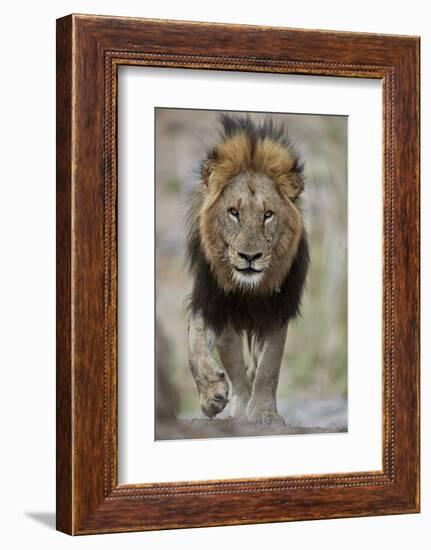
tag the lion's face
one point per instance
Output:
(250, 233)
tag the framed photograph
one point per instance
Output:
(237, 274)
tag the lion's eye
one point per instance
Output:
(233, 212)
(268, 214)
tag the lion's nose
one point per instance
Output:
(249, 257)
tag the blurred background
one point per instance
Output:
(312, 393)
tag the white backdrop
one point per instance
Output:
(141, 458)
(27, 294)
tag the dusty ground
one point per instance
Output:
(301, 416)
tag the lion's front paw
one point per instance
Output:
(214, 397)
(266, 418)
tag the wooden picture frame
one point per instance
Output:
(89, 51)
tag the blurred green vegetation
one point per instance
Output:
(315, 358)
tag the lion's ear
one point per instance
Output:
(206, 170)
(296, 185)
(291, 185)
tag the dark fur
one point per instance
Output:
(255, 314)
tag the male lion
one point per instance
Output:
(248, 256)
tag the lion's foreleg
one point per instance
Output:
(253, 358)
(229, 347)
(210, 379)
(262, 406)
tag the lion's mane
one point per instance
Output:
(244, 145)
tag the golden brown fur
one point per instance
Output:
(240, 154)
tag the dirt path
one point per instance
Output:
(302, 417)
(200, 428)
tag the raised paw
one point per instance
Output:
(214, 396)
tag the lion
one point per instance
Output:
(248, 257)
